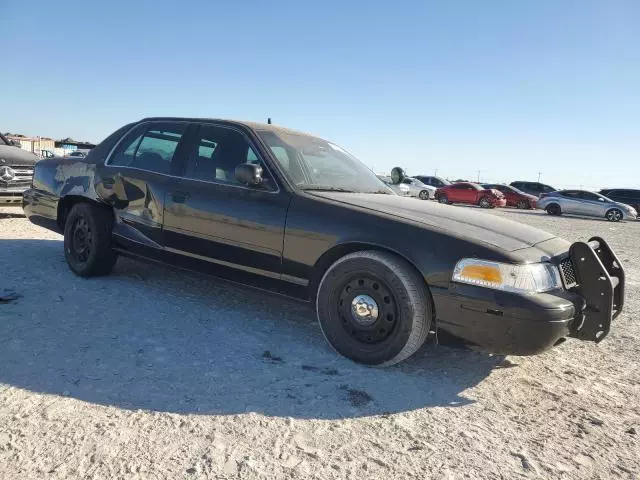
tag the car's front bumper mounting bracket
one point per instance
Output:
(600, 282)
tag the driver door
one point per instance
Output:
(211, 216)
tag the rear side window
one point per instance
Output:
(571, 194)
(151, 147)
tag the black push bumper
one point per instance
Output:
(599, 278)
(515, 324)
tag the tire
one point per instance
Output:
(387, 334)
(423, 195)
(443, 199)
(614, 215)
(523, 205)
(87, 240)
(553, 209)
(485, 203)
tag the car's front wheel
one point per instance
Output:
(87, 240)
(523, 205)
(614, 215)
(423, 195)
(373, 308)
(443, 199)
(485, 203)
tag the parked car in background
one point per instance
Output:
(628, 196)
(47, 154)
(582, 202)
(401, 189)
(287, 211)
(419, 189)
(437, 182)
(515, 198)
(78, 153)
(471, 193)
(533, 188)
(16, 172)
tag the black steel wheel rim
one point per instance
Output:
(484, 202)
(371, 329)
(81, 240)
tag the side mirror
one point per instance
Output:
(601, 199)
(397, 175)
(249, 174)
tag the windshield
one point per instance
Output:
(312, 163)
(417, 183)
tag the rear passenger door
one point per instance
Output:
(135, 180)
(210, 216)
(572, 202)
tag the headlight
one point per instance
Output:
(531, 278)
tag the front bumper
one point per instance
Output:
(515, 324)
(11, 196)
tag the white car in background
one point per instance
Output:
(419, 189)
(401, 189)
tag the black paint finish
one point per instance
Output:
(283, 239)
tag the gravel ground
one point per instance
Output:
(153, 373)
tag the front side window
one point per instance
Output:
(216, 153)
(150, 148)
(312, 163)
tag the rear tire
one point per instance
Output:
(614, 215)
(373, 308)
(87, 240)
(424, 195)
(554, 209)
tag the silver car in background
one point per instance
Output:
(400, 188)
(419, 189)
(582, 202)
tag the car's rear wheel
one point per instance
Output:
(424, 195)
(523, 204)
(87, 240)
(614, 215)
(553, 209)
(485, 203)
(443, 199)
(373, 308)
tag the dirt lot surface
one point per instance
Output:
(153, 373)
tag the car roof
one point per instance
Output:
(252, 125)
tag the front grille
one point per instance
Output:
(568, 273)
(23, 175)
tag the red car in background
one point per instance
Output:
(471, 193)
(515, 198)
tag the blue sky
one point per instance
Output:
(511, 88)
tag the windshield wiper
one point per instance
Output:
(326, 188)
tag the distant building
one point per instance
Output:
(33, 144)
(40, 145)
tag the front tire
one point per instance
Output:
(443, 199)
(485, 203)
(523, 205)
(373, 308)
(87, 240)
(614, 215)
(423, 195)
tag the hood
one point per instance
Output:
(461, 222)
(16, 156)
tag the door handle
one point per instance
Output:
(179, 197)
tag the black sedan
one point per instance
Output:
(290, 212)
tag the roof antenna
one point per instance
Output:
(269, 121)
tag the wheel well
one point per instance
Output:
(67, 202)
(339, 251)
